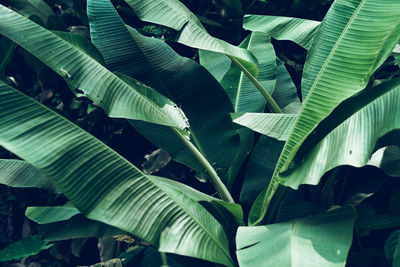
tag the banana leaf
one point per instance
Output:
(153, 62)
(28, 246)
(338, 65)
(318, 240)
(88, 77)
(104, 186)
(174, 14)
(18, 173)
(300, 31)
(241, 91)
(270, 124)
(358, 124)
(266, 152)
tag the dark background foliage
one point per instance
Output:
(222, 21)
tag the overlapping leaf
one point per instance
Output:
(85, 75)
(37, 8)
(241, 91)
(271, 124)
(174, 14)
(104, 186)
(18, 173)
(319, 240)
(300, 31)
(184, 81)
(267, 150)
(338, 65)
(243, 94)
(367, 117)
(67, 222)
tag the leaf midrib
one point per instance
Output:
(92, 61)
(65, 121)
(333, 50)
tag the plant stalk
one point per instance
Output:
(214, 178)
(270, 101)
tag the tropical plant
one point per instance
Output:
(280, 199)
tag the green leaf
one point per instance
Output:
(270, 124)
(104, 186)
(76, 227)
(388, 160)
(357, 125)
(267, 150)
(319, 240)
(174, 14)
(392, 248)
(43, 215)
(243, 94)
(26, 247)
(33, 8)
(18, 173)
(181, 79)
(260, 168)
(300, 31)
(285, 93)
(85, 75)
(81, 43)
(340, 41)
(216, 63)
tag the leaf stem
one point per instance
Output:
(270, 101)
(215, 180)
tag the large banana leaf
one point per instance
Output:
(338, 65)
(174, 14)
(319, 240)
(85, 75)
(104, 186)
(352, 142)
(184, 81)
(300, 31)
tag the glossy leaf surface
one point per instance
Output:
(174, 14)
(153, 62)
(340, 41)
(300, 31)
(371, 115)
(86, 76)
(104, 186)
(319, 240)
